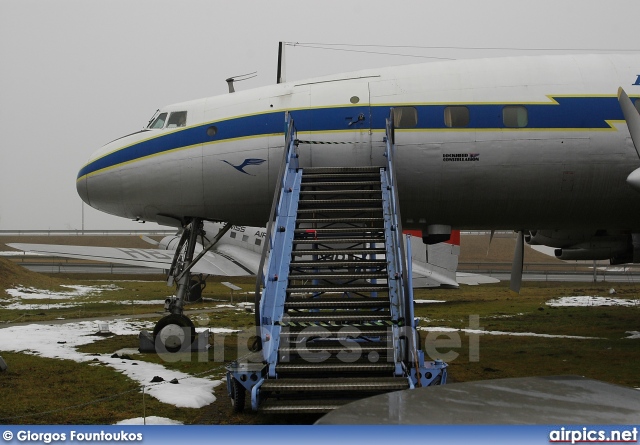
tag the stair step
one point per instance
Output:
(341, 210)
(332, 316)
(341, 175)
(367, 169)
(339, 183)
(337, 230)
(339, 220)
(304, 202)
(340, 264)
(339, 288)
(355, 351)
(337, 276)
(341, 192)
(335, 331)
(336, 384)
(302, 406)
(343, 303)
(334, 240)
(370, 251)
(329, 367)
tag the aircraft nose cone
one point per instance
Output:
(81, 187)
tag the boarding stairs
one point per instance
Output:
(336, 313)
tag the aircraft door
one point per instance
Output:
(340, 124)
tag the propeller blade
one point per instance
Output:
(493, 232)
(518, 261)
(149, 240)
(632, 117)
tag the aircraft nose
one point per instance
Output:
(81, 187)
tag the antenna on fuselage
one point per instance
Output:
(280, 78)
(239, 78)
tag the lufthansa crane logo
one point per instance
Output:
(246, 163)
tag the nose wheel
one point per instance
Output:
(176, 332)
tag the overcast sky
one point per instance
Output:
(75, 74)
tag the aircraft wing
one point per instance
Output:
(217, 262)
(474, 279)
(433, 265)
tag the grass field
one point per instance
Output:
(53, 391)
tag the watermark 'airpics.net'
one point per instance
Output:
(226, 346)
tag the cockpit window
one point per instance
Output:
(159, 121)
(177, 119)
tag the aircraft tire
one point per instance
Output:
(177, 322)
(237, 396)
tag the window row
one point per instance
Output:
(513, 116)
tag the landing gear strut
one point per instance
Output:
(176, 331)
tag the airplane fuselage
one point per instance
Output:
(531, 142)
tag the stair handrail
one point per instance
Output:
(404, 262)
(289, 157)
(390, 154)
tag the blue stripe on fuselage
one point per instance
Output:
(569, 113)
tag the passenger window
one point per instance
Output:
(405, 117)
(159, 122)
(233, 234)
(456, 117)
(177, 119)
(515, 116)
(245, 238)
(258, 241)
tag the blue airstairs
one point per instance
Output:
(335, 317)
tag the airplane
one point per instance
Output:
(548, 146)
(537, 144)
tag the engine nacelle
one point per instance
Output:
(169, 242)
(618, 249)
(595, 253)
(557, 238)
(583, 245)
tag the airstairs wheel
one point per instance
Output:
(176, 332)
(237, 396)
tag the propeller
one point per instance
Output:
(632, 117)
(518, 261)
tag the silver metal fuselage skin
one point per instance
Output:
(566, 169)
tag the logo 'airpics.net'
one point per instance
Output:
(460, 157)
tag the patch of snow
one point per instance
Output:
(31, 293)
(634, 335)
(223, 330)
(60, 341)
(428, 301)
(586, 300)
(515, 334)
(506, 315)
(150, 420)
(132, 302)
(38, 307)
